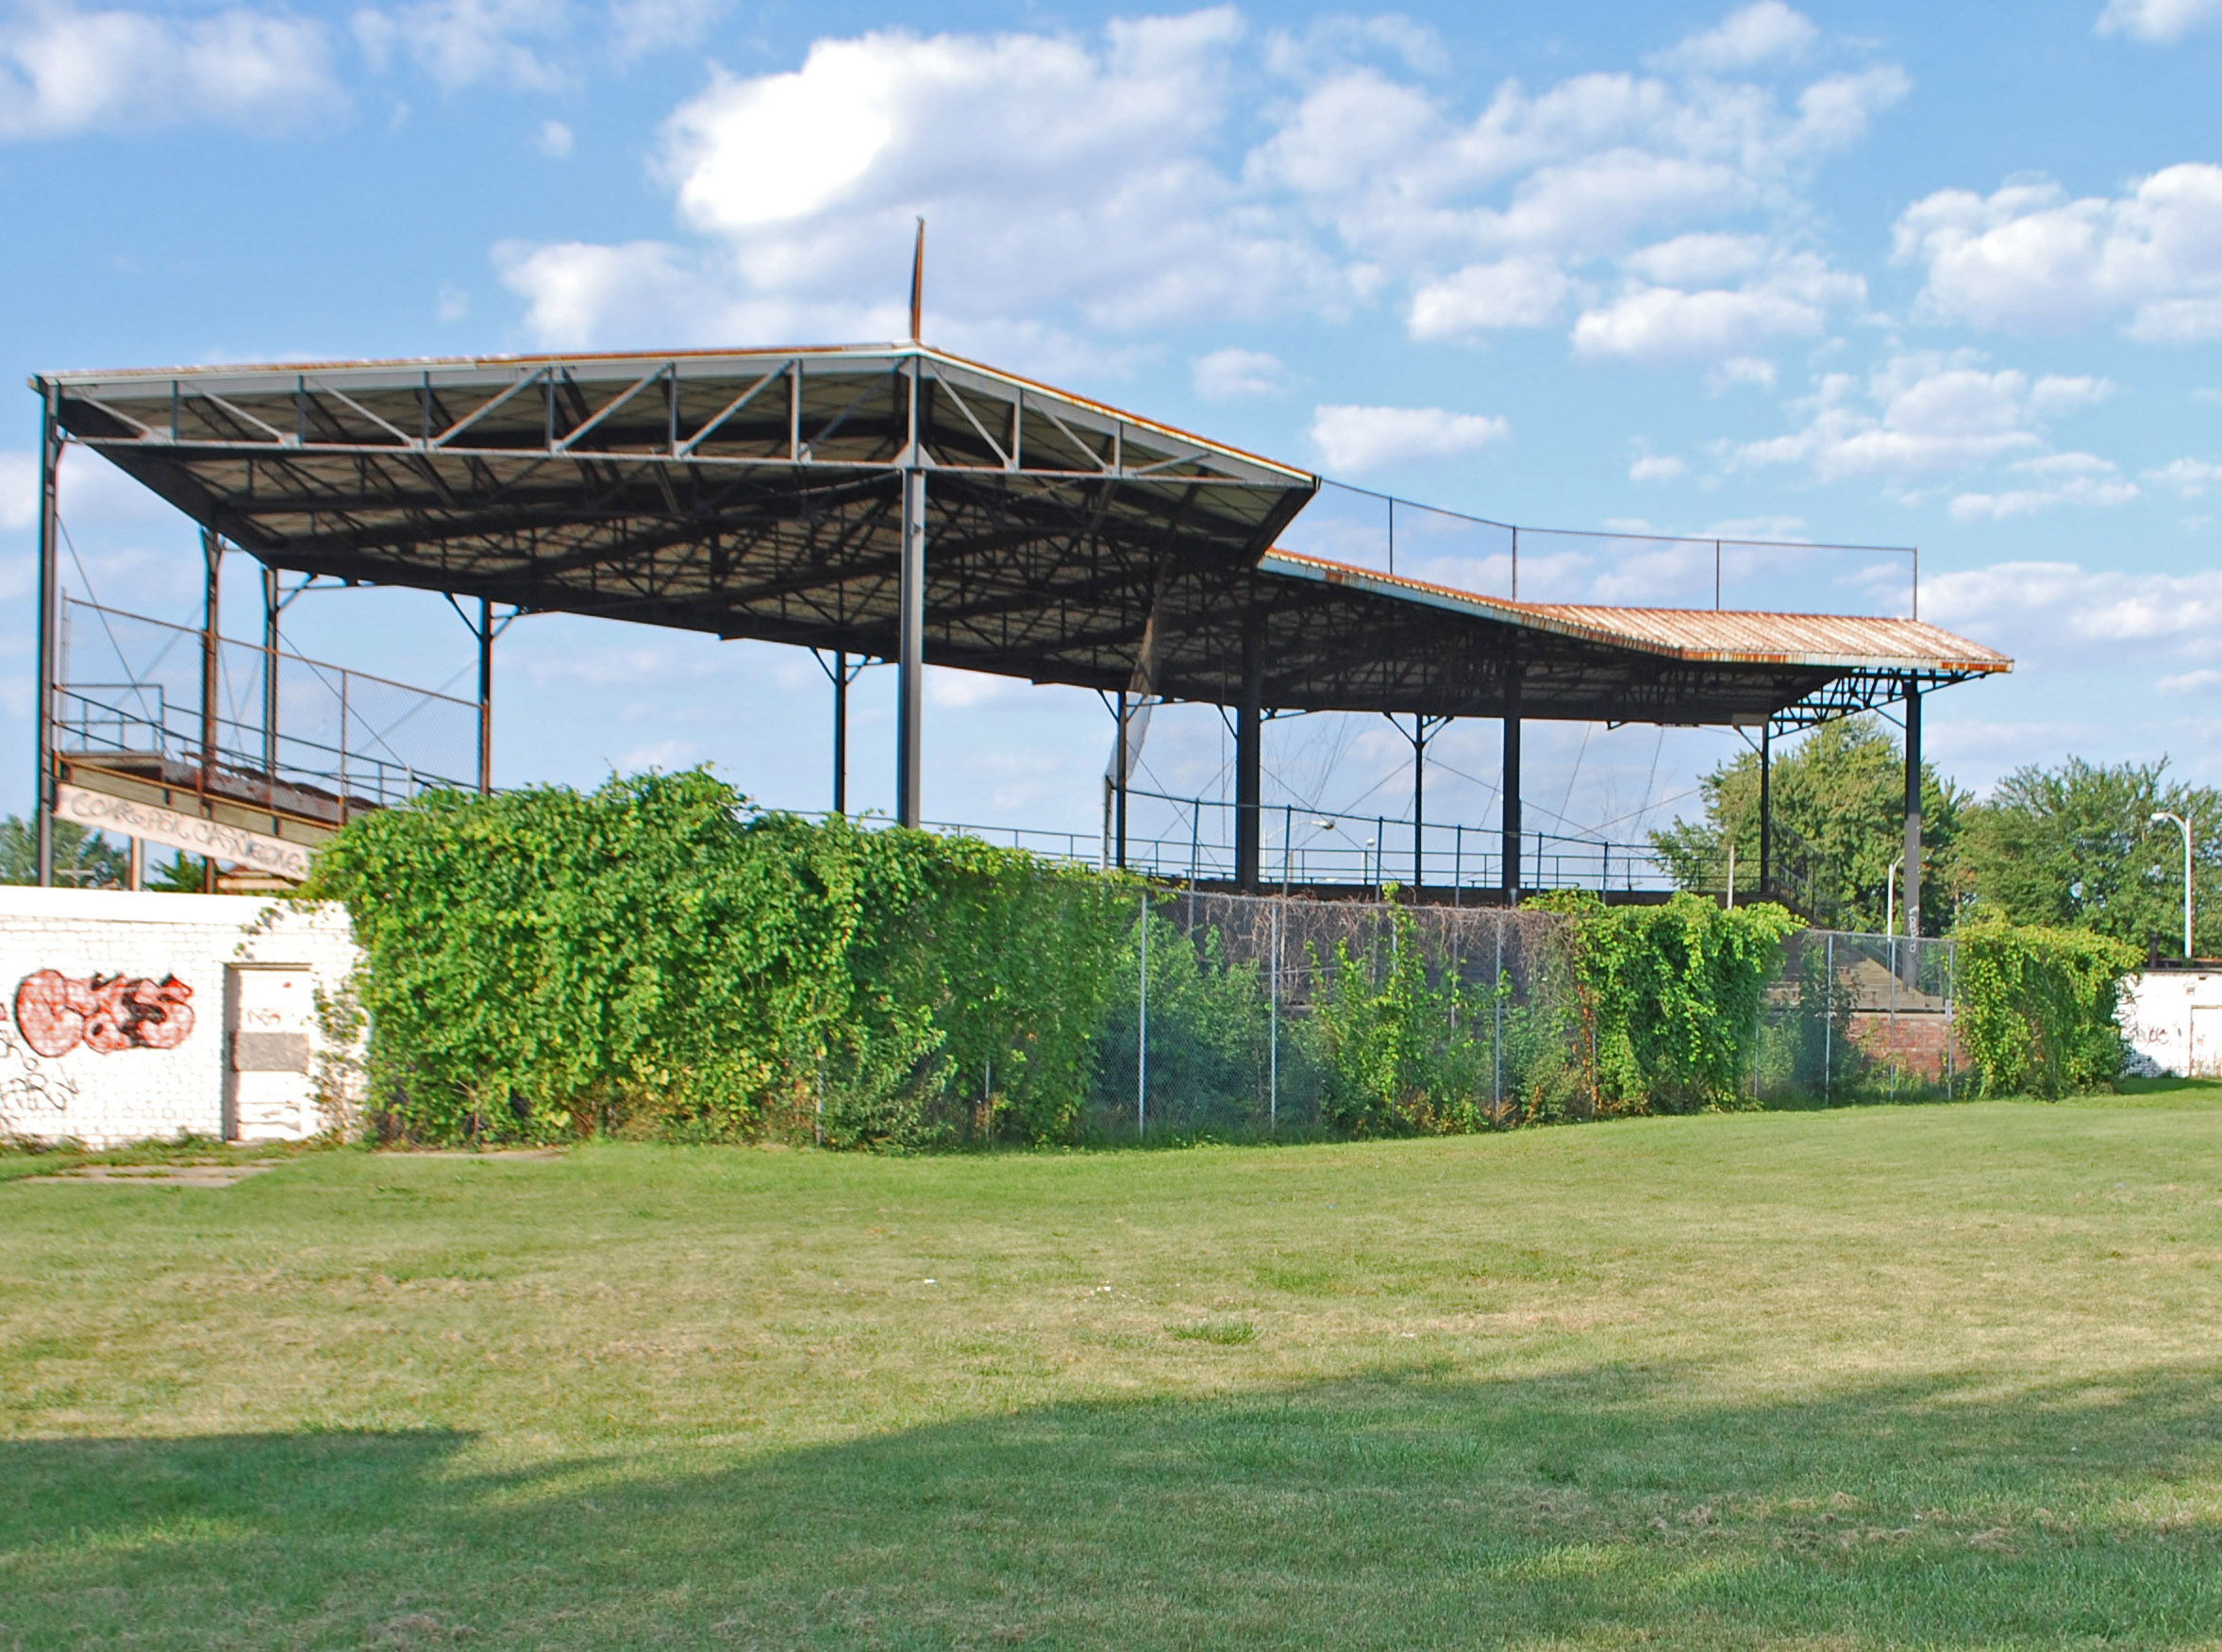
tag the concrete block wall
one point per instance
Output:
(2173, 1020)
(127, 1073)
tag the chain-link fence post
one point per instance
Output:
(1273, 1033)
(1142, 1032)
(1829, 1019)
(1497, 1037)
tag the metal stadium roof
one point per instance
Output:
(897, 501)
(757, 493)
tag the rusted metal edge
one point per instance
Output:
(1955, 655)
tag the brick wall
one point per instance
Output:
(104, 962)
(1923, 1045)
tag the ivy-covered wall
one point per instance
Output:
(658, 958)
(653, 957)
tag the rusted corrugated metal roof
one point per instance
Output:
(1850, 641)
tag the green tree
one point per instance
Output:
(1839, 819)
(81, 859)
(2074, 846)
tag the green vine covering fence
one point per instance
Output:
(2038, 1006)
(657, 958)
(648, 957)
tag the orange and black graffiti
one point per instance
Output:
(106, 1013)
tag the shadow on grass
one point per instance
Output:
(1404, 1509)
(2183, 1091)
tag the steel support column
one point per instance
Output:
(1766, 810)
(1119, 789)
(1249, 762)
(49, 624)
(270, 607)
(910, 653)
(485, 696)
(211, 606)
(1913, 894)
(1511, 787)
(840, 731)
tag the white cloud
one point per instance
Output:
(462, 42)
(2058, 393)
(1666, 323)
(1700, 260)
(64, 71)
(573, 288)
(1754, 371)
(2160, 22)
(2190, 683)
(1354, 438)
(2060, 614)
(1230, 375)
(1095, 178)
(554, 141)
(1334, 41)
(651, 295)
(2190, 477)
(1510, 293)
(18, 490)
(452, 304)
(638, 28)
(1768, 32)
(2056, 479)
(2028, 259)
(1921, 415)
(1657, 467)
(1049, 171)
(947, 686)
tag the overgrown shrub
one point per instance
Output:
(2036, 1007)
(1669, 997)
(1403, 1050)
(1209, 1027)
(652, 956)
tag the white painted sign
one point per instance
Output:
(98, 811)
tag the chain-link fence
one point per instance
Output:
(1235, 1018)
(1853, 1017)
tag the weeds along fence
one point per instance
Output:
(1269, 1015)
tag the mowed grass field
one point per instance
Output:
(1940, 1376)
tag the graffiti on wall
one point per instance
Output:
(29, 1086)
(105, 1013)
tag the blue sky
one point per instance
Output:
(1950, 276)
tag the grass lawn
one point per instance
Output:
(1933, 1376)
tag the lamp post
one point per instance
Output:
(1890, 898)
(2183, 826)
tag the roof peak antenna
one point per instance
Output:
(918, 285)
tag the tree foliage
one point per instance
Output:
(2074, 846)
(1839, 804)
(82, 859)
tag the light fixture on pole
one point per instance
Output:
(2183, 826)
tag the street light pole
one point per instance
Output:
(2183, 826)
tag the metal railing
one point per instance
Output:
(1477, 553)
(1302, 848)
(131, 693)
